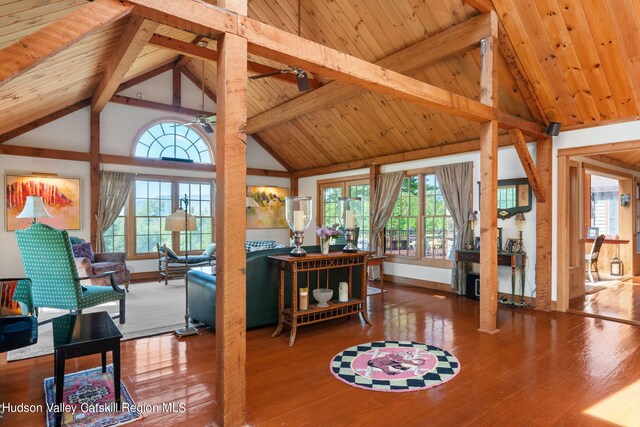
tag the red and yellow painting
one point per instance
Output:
(61, 197)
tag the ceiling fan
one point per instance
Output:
(301, 76)
(202, 119)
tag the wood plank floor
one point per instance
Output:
(619, 302)
(540, 369)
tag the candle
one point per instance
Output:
(343, 292)
(304, 299)
(298, 221)
(349, 219)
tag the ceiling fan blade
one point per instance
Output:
(273, 73)
(183, 124)
(207, 127)
(303, 80)
(211, 119)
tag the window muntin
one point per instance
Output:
(173, 139)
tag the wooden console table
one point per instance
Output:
(295, 317)
(515, 260)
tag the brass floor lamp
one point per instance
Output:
(182, 220)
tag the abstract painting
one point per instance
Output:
(61, 197)
(267, 208)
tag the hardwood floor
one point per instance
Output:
(620, 302)
(540, 369)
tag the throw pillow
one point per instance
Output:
(170, 252)
(210, 250)
(75, 240)
(83, 250)
(9, 307)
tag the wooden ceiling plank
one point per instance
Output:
(527, 163)
(46, 42)
(44, 120)
(452, 41)
(423, 153)
(608, 47)
(615, 162)
(520, 40)
(625, 15)
(134, 38)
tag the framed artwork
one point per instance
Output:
(61, 197)
(266, 207)
(593, 233)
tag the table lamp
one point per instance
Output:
(473, 218)
(34, 208)
(181, 220)
(520, 220)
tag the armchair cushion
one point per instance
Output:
(258, 245)
(210, 250)
(83, 250)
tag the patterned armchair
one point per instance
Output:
(49, 263)
(94, 264)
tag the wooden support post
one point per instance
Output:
(177, 87)
(94, 175)
(527, 163)
(543, 226)
(374, 171)
(294, 186)
(231, 163)
(489, 191)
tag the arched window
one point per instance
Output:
(173, 140)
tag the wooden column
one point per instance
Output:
(94, 175)
(177, 87)
(544, 165)
(231, 158)
(489, 190)
(294, 185)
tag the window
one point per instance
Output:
(604, 196)
(420, 227)
(200, 204)
(330, 192)
(114, 236)
(153, 202)
(174, 140)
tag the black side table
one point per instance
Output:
(81, 335)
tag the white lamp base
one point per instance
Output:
(185, 332)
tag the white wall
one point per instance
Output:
(120, 125)
(508, 167)
(629, 131)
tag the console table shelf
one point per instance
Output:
(295, 317)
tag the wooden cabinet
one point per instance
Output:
(316, 262)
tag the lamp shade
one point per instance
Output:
(34, 208)
(180, 221)
(520, 220)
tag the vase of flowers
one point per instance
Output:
(326, 234)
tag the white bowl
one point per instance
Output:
(322, 295)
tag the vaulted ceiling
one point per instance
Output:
(575, 61)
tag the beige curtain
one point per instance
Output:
(387, 190)
(456, 183)
(114, 189)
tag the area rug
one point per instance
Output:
(394, 366)
(89, 400)
(606, 281)
(374, 291)
(152, 309)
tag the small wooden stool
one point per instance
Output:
(377, 260)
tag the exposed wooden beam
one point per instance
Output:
(177, 87)
(489, 189)
(287, 48)
(44, 120)
(483, 6)
(133, 40)
(455, 40)
(143, 103)
(31, 50)
(423, 153)
(527, 163)
(43, 153)
(94, 177)
(184, 60)
(544, 215)
(145, 76)
(609, 147)
(194, 51)
(231, 157)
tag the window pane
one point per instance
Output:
(171, 139)
(400, 233)
(438, 224)
(153, 203)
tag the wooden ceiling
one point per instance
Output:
(364, 125)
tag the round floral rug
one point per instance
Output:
(394, 366)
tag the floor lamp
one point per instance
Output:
(181, 220)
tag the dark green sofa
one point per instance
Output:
(262, 288)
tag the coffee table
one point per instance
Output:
(81, 335)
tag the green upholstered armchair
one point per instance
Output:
(48, 261)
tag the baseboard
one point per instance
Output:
(427, 284)
(144, 276)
